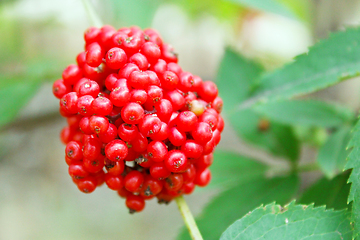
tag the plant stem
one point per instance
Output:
(93, 17)
(308, 167)
(188, 218)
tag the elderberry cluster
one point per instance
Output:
(136, 120)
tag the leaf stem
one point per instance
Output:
(93, 17)
(188, 218)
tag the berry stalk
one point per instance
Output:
(188, 218)
(94, 18)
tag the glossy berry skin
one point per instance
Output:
(159, 170)
(116, 58)
(202, 133)
(132, 113)
(116, 150)
(135, 120)
(101, 106)
(186, 121)
(71, 74)
(176, 161)
(114, 182)
(87, 184)
(60, 88)
(73, 151)
(157, 151)
(135, 203)
(202, 177)
(98, 124)
(174, 182)
(133, 181)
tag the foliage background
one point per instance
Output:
(39, 38)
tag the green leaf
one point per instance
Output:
(237, 201)
(354, 164)
(328, 62)
(332, 193)
(229, 169)
(235, 80)
(135, 12)
(267, 6)
(332, 155)
(306, 113)
(293, 222)
(277, 138)
(13, 96)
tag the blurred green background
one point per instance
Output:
(39, 38)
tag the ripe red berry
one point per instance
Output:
(116, 150)
(132, 113)
(87, 184)
(116, 58)
(71, 74)
(133, 181)
(202, 177)
(60, 88)
(176, 161)
(186, 121)
(135, 203)
(99, 124)
(128, 101)
(114, 182)
(94, 54)
(202, 133)
(157, 151)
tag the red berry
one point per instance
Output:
(68, 103)
(192, 149)
(101, 106)
(99, 124)
(174, 182)
(135, 203)
(164, 110)
(128, 132)
(133, 181)
(149, 125)
(157, 151)
(139, 79)
(132, 113)
(186, 121)
(89, 88)
(115, 168)
(60, 88)
(77, 171)
(115, 58)
(120, 96)
(116, 150)
(169, 80)
(92, 148)
(73, 150)
(87, 184)
(159, 171)
(138, 95)
(114, 182)
(94, 54)
(151, 186)
(71, 74)
(176, 161)
(202, 133)
(189, 174)
(84, 105)
(176, 137)
(140, 60)
(202, 177)
(208, 91)
(95, 165)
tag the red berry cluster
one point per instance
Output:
(136, 121)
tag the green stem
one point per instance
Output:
(188, 218)
(94, 18)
